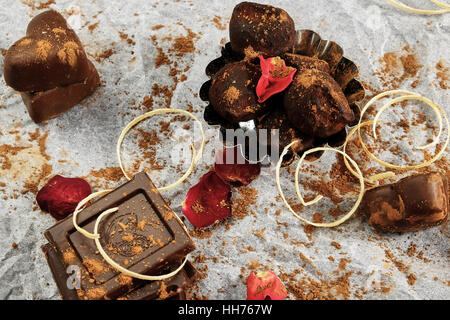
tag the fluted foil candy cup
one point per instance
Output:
(307, 43)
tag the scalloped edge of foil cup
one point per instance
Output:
(307, 43)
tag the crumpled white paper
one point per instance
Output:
(85, 139)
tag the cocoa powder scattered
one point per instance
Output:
(40, 6)
(442, 74)
(246, 197)
(396, 68)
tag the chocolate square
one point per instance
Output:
(149, 247)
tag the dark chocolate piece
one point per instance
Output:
(316, 105)
(45, 105)
(143, 236)
(414, 203)
(51, 55)
(173, 288)
(261, 29)
(233, 92)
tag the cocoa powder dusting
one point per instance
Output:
(442, 74)
(40, 6)
(185, 44)
(247, 196)
(104, 55)
(218, 23)
(28, 163)
(396, 68)
(169, 55)
(95, 267)
(111, 174)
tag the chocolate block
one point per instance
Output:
(143, 236)
(50, 55)
(414, 203)
(45, 105)
(174, 287)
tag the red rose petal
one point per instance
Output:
(232, 166)
(60, 196)
(265, 286)
(269, 84)
(207, 201)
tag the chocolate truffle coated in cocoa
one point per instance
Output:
(50, 55)
(414, 203)
(233, 92)
(261, 29)
(316, 105)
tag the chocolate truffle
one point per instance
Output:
(261, 29)
(233, 92)
(414, 203)
(316, 105)
(49, 67)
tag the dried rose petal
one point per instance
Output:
(265, 286)
(275, 78)
(232, 166)
(207, 201)
(60, 196)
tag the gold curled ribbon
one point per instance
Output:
(82, 204)
(317, 198)
(407, 96)
(195, 158)
(374, 178)
(441, 4)
(411, 97)
(445, 7)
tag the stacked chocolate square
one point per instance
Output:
(143, 236)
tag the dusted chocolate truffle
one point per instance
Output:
(261, 29)
(233, 92)
(316, 105)
(49, 56)
(412, 204)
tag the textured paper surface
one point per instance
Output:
(84, 139)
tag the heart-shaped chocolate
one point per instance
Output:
(51, 55)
